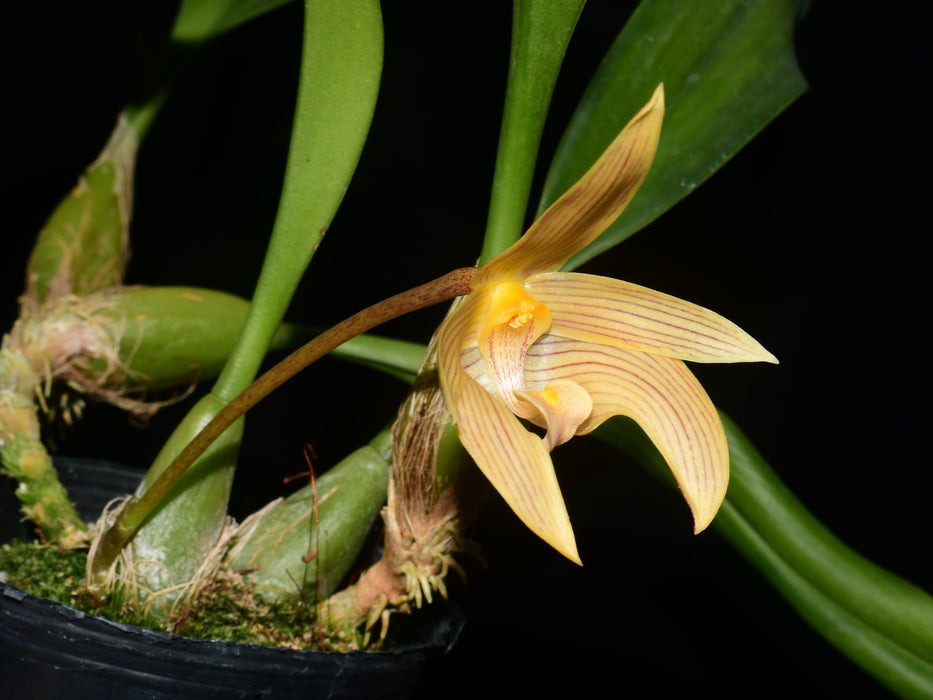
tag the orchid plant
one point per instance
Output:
(530, 354)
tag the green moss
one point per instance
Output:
(43, 570)
(226, 609)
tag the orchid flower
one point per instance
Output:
(566, 351)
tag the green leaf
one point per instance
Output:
(179, 535)
(728, 68)
(198, 20)
(541, 30)
(341, 65)
(896, 612)
(903, 672)
(196, 23)
(879, 620)
(399, 358)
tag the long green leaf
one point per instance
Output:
(880, 621)
(884, 658)
(341, 65)
(541, 30)
(198, 20)
(196, 23)
(728, 68)
(894, 607)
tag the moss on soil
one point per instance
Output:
(226, 609)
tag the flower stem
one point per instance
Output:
(453, 284)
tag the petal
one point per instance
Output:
(591, 205)
(612, 312)
(515, 320)
(561, 407)
(517, 464)
(514, 460)
(458, 332)
(661, 395)
(475, 366)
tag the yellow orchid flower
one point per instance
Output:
(566, 351)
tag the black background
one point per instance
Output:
(810, 239)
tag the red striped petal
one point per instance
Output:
(661, 395)
(590, 206)
(515, 320)
(612, 312)
(517, 464)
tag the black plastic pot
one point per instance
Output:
(49, 650)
